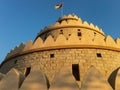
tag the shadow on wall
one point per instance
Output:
(112, 78)
(64, 80)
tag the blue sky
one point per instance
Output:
(21, 20)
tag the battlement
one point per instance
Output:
(71, 21)
(61, 42)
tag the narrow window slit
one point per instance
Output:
(27, 72)
(79, 34)
(75, 71)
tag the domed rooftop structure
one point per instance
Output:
(70, 47)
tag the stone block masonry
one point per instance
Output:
(69, 55)
(51, 62)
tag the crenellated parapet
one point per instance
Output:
(16, 50)
(71, 21)
(61, 42)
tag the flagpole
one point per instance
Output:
(62, 8)
(62, 11)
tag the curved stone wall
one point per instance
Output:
(68, 31)
(51, 61)
(70, 21)
(73, 41)
(73, 46)
(64, 79)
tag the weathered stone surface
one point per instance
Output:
(117, 81)
(94, 80)
(10, 80)
(64, 80)
(1, 76)
(21, 79)
(35, 81)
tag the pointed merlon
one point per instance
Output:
(110, 41)
(85, 23)
(38, 43)
(28, 45)
(49, 41)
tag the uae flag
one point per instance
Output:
(58, 6)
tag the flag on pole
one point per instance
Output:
(58, 6)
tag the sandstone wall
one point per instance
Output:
(64, 80)
(71, 44)
(50, 62)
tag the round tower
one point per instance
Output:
(70, 44)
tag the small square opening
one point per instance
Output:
(52, 56)
(99, 55)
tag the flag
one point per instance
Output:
(58, 6)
